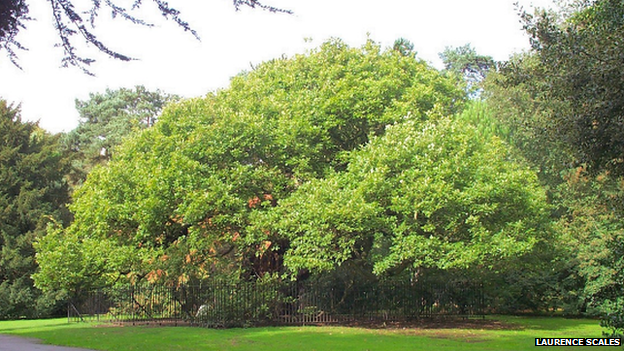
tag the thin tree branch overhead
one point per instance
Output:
(69, 21)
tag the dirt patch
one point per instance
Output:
(147, 323)
(431, 324)
(435, 323)
(464, 330)
(458, 329)
(460, 335)
(234, 342)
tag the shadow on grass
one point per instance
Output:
(26, 325)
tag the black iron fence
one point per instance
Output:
(221, 304)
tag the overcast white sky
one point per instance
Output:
(175, 62)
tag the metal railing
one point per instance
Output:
(221, 304)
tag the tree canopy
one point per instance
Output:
(190, 198)
(431, 194)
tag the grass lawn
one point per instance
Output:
(519, 334)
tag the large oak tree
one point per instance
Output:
(351, 150)
(177, 199)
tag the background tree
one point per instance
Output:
(74, 17)
(106, 119)
(581, 59)
(519, 101)
(467, 64)
(33, 193)
(562, 103)
(405, 47)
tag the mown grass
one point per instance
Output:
(519, 334)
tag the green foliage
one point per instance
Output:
(562, 106)
(32, 194)
(479, 115)
(70, 266)
(580, 64)
(542, 281)
(546, 279)
(518, 110)
(106, 119)
(593, 228)
(517, 99)
(614, 322)
(177, 202)
(431, 194)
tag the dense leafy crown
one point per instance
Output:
(191, 197)
(428, 194)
